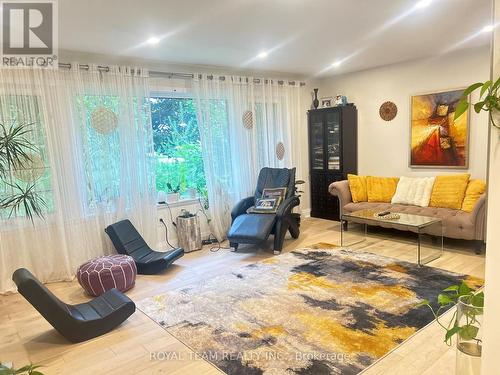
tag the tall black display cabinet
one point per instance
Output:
(333, 153)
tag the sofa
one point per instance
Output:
(456, 223)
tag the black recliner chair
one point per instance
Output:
(128, 241)
(255, 228)
(75, 322)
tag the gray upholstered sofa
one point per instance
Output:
(456, 223)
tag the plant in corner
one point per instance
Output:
(16, 154)
(465, 324)
(30, 369)
(488, 100)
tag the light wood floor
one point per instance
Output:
(26, 336)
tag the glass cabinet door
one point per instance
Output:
(333, 140)
(317, 145)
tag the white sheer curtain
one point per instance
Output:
(93, 133)
(244, 126)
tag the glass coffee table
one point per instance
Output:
(429, 231)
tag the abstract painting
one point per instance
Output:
(437, 139)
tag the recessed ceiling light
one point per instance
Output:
(336, 64)
(262, 55)
(488, 29)
(423, 4)
(153, 40)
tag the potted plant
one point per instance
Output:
(203, 201)
(465, 325)
(17, 153)
(30, 369)
(488, 100)
(173, 193)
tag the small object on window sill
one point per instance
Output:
(180, 203)
(192, 193)
(162, 197)
(172, 197)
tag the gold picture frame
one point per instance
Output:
(437, 140)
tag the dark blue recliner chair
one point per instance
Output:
(255, 228)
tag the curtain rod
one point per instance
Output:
(103, 68)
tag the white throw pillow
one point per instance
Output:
(414, 190)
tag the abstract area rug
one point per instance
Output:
(311, 311)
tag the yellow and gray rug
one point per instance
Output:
(311, 311)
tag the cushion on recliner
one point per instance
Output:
(251, 228)
(276, 178)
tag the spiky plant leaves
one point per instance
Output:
(24, 198)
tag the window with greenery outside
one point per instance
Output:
(179, 162)
(101, 151)
(25, 178)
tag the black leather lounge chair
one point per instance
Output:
(128, 241)
(255, 228)
(75, 322)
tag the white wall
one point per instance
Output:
(384, 146)
(491, 339)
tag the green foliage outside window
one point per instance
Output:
(101, 152)
(25, 178)
(177, 144)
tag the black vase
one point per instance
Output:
(315, 101)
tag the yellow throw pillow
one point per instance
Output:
(475, 189)
(381, 189)
(449, 191)
(357, 185)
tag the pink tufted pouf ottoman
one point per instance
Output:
(101, 274)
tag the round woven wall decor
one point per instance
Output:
(31, 170)
(104, 120)
(388, 111)
(247, 119)
(280, 150)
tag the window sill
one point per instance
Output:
(179, 203)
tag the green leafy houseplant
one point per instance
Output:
(30, 369)
(173, 189)
(203, 201)
(16, 153)
(488, 100)
(467, 327)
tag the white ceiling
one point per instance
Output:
(301, 36)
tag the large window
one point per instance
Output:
(101, 149)
(179, 162)
(24, 110)
(111, 135)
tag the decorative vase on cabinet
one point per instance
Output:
(315, 101)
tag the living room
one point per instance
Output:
(233, 187)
